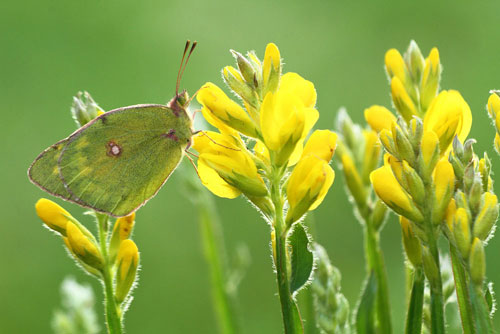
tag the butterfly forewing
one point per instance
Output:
(121, 159)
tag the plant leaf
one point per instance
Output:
(365, 314)
(301, 258)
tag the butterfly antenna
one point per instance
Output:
(189, 55)
(179, 73)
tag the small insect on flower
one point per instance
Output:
(119, 159)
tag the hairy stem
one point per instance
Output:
(436, 285)
(289, 310)
(375, 261)
(113, 318)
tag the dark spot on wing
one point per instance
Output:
(114, 150)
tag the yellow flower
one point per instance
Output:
(307, 186)
(121, 230)
(287, 116)
(429, 148)
(226, 168)
(448, 116)
(402, 101)
(216, 102)
(84, 248)
(321, 144)
(395, 65)
(393, 195)
(494, 106)
(52, 215)
(379, 118)
(127, 262)
(444, 181)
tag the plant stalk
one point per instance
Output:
(436, 287)
(415, 306)
(375, 261)
(113, 318)
(291, 317)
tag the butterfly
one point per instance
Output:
(118, 161)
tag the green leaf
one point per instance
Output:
(414, 316)
(365, 314)
(301, 258)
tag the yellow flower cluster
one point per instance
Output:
(85, 249)
(264, 135)
(417, 181)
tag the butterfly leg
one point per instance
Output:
(213, 141)
(192, 163)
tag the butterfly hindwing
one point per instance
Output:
(118, 161)
(45, 173)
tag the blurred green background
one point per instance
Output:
(127, 52)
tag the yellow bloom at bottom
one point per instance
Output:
(127, 262)
(52, 215)
(389, 190)
(83, 247)
(307, 186)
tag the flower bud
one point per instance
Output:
(461, 231)
(84, 108)
(416, 61)
(429, 152)
(386, 140)
(415, 184)
(83, 247)
(245, 67)
(389, 190)
(379, 214)
(307, 186)
(271, 68)
(411, 243)
(371, 156)
(444, 186)
(395, 65)
(487, 217)
(54, 216)
(477, 262)
(497, 143)
(403, 145)
(353, 180)
(127, 262)
(468, 150)
(493, 106)
(216, 102)
(234, 80)
(416, 131)
(475, 193)
(379, 118)
(121, 231)
(430, 79)
(450, 214)
(484, 168)
(430, 267)
(402, 101)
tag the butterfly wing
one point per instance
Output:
(44, 171)
(117, 162)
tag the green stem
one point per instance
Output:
(212, 241)
(436, 285)
(415, 307)
(375, 261)
(462, 291)
(289, 310)
(113, 318)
